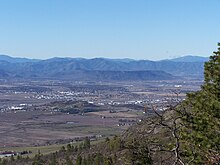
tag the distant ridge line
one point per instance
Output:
(32, 68)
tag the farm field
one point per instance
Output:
(45, 115)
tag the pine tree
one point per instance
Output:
(12, 158)
(99, 160)
(86, 143)
(78, 160)
(53, 160)
(68, 161)
(89, 159)
(200, 116)
(138, 152)
(69, 148)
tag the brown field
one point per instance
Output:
(39, 128)
(39, 125)
(116, 115)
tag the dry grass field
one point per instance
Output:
(36, 128)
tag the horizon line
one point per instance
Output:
(107, 58)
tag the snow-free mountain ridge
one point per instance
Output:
(101, 68)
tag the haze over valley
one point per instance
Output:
(109, 82)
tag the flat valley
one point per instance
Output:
(41, 113)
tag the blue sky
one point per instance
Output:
(138, 29)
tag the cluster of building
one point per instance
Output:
(4, 154)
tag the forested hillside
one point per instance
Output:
(100, 69)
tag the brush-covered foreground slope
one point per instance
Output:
(138, 145)
(155, 140)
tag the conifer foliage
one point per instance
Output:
(200, 117)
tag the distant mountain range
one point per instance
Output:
(101, 68)
(16, 59)
(190, 58)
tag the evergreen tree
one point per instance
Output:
(63, 149)
(68, 160)
(200, 117)
(19, 157)
(54, 160)
(138, 152)
(80, 147)
(75, 148)
(86, 143)
(12, 158)
(99, 160)
(89, 159)
(78, 160)
(69, 148)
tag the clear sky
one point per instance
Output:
(138, 29)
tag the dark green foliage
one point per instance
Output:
(138, 152)
(107, 139)
(89, 159)
(86, 143)
(212, 74)
(63, 149)
(78, 160)
(38, 159)
(200, 117)
(99, 159)
(75, 148)
(19, 157)
(69, 161)
(12, 158)
(80, 147)
(69, 148)
(115, 144)
(54, 159)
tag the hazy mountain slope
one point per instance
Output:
(190, 58)
(98, 68)
(69, 65)
(16, 59)
(114, 75)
